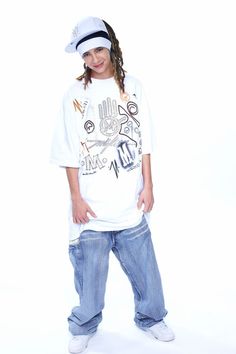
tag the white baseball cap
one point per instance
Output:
(89, 33)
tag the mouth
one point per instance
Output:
(98, 66)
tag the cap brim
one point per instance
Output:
(71, 47)
(87, 45)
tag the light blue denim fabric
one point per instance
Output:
(90, 257)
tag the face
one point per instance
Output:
(99, 61)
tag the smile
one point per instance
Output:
(98, 65)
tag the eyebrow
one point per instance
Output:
(85, 53)
(100, 47)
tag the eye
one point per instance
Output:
(86, 54)
(99, 49)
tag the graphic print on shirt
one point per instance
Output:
(125, 155)
(113, 141)
(129, 114)
(109, 124)
(81, 107)
(89, 126)
(115, 168)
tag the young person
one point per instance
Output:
(104, 140)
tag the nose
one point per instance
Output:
(95, 57)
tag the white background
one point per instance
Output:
(184, 53)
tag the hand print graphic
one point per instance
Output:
(110, 124)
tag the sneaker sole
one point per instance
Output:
(159, 338)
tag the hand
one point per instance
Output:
(80, 210)
(146, 198)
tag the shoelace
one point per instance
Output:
(162, 324)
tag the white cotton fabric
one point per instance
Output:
(93, 43)
(105, 137)
(85, 27)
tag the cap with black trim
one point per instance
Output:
(89, 33)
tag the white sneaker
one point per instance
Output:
(161, 331)
(79, 343)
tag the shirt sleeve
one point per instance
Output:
(146, 123)
(65, 148)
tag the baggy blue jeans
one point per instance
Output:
(90, 258)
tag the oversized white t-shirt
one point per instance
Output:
(104, 135)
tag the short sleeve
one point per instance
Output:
(146, 123)
(65, 148)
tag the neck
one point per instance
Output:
(101, 76)
(107, 74)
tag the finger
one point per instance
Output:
(145, 210)
(84, 219)
(139, 204)
(76, 220)
(148, 207)
(81, 219)
(150, 204)
(91, 212)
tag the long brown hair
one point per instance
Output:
(116, 59)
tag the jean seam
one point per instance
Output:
(78, 267)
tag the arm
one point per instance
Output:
(146, 196)
(79, 207)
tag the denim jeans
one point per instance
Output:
(90, 258)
